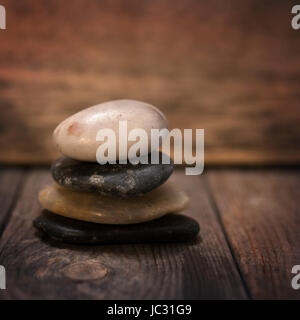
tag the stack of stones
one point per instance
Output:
(111, 203)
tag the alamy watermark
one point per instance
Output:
(2, 17)
(296, 19)
(296, 279)
(108, 152)
(2, 278)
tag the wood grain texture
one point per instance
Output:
(230, 67)
(261, 216)
(10, 183)
(40, 268)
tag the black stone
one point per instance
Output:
(120, 180)
(169, 228)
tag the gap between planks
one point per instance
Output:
(11, 180)
(219, 218)
(259, 211)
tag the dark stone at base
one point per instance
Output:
(121, 180)
(170, 228)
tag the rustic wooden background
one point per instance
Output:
(230, 67)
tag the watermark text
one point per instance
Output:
(135, 146)
(296, 19)
(2, 18)
(2, 278)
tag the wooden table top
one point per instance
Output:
(248, 244)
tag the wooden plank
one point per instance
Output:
(261, 215)
(224, 66)
(43, 269)
(10, 179)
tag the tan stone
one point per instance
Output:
(107, 210)
(75, 137)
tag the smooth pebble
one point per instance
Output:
(75, 137)
(91, 207)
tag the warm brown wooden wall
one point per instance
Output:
(230, 67)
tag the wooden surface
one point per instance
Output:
(248, 244)
(230, 67)
(261, 216)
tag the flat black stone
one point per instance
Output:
(169, 228)
(120, 180)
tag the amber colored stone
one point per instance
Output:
(167, 198)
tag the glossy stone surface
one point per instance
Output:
(75, 137)
(122, 180)
(170, 228)
(92, 207)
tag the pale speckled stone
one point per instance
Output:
(168, 198)
(75, 137)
